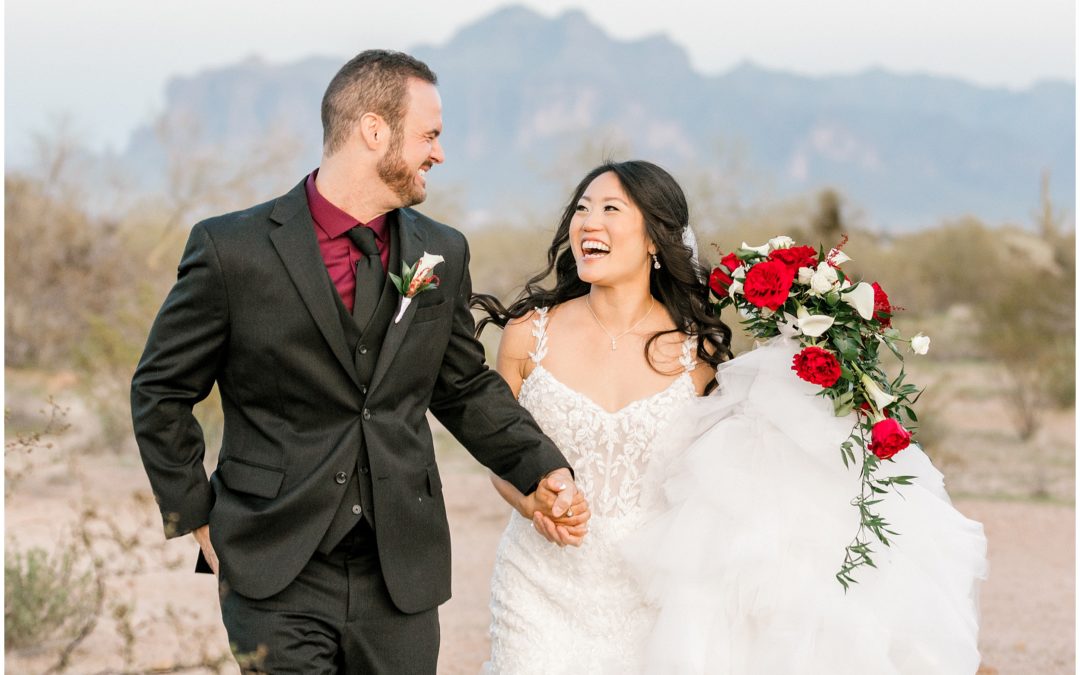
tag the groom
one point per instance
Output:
(325, 519)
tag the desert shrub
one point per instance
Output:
(47, 596)
(1026, 321)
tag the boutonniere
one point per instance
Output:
(415, 280)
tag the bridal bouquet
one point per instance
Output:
(842, 324)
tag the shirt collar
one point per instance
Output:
(332, 220)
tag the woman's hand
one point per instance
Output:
(567, 530)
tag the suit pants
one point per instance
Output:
(335, 617)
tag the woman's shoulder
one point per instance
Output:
(521, 333)
(543, 314)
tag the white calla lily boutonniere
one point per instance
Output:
(415, 280)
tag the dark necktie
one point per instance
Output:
(369, 274)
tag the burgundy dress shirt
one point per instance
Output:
(338, 251)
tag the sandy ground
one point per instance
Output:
(1028, 615)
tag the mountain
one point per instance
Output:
(531, 102)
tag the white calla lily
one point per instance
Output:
(428, 261)
(781, 242)
(813, 325)
(837, 257)
(861, 297)
(789, 327)
(735, 287)
(760, 250)
(920, 344)
(880, 398)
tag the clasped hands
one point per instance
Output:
(559, 510)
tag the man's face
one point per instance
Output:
(415, 148)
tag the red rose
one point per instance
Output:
(817, 366)
(795, 257)
(888, 437)
(719, 282)
(767, 284)
(882, 308)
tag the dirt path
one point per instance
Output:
(1028, 616)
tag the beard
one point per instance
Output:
(397, 175)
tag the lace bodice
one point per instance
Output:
(576, 610)
(608, 450)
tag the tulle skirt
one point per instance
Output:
(752, 515)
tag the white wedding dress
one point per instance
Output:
(718, 525)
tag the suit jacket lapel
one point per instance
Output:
(299, 251)
(412, 247)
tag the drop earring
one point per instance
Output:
(655, 262)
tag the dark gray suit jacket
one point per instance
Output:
(253, 310)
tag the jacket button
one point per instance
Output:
(367, 414)
(363, 389)
(364, 470)
(356, 509)
(362, 349)
(341, 477)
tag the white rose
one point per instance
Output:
(813, 324)
(862, 299)
(781, 242)
(920, 344)
(760, 250)
(824, 279)
(805, 274)
(881, 399)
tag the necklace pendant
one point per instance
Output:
(612, 344)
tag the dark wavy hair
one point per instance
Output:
(679, 283)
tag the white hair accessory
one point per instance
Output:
(690, 241)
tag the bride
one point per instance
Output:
(715, 522)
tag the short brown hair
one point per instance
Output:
(375, 81)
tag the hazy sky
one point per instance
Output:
(105, 63)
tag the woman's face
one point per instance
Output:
(607, 235)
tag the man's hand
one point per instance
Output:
(202, 535)
(570, 530)
(569, 526)
(554, 494)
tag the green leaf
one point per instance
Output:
(892, 348)
(398, 283)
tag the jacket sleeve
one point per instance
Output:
(477, 406)
(183, 355)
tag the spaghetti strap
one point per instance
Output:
(539, 331)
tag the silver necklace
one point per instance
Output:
(614, 338)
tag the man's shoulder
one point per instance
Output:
(435, 231)
(239, 222)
